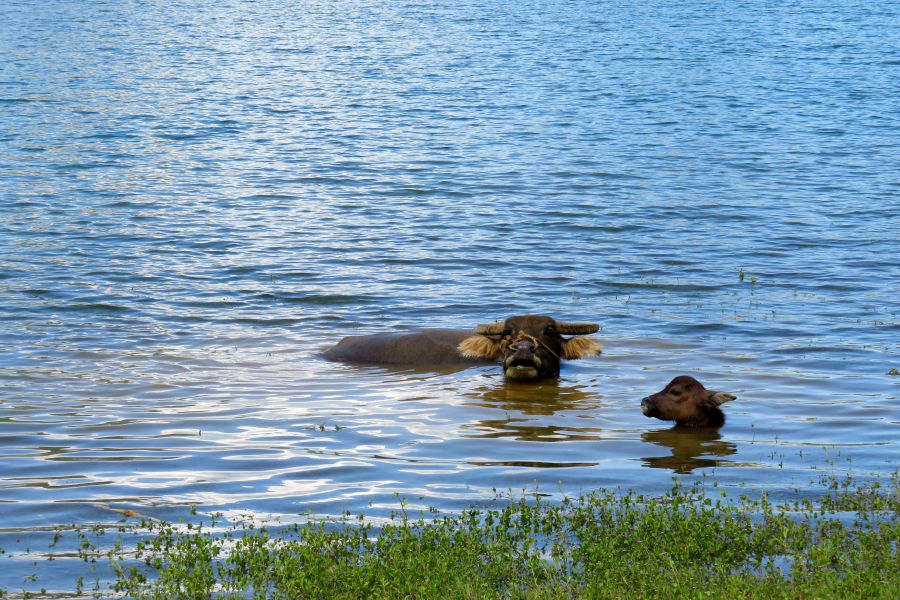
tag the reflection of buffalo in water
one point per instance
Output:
(531, 346)
(689, 447)
(522, 403)
(688, 403)
(545, 399)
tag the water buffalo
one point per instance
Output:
(688, 403)
(531, 346)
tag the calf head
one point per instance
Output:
(688, 403)
(531, 346)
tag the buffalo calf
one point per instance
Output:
(688, 403)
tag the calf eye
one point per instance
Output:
(675, 392)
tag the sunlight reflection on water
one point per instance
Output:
(197, 200)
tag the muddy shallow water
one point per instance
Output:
(197, 200)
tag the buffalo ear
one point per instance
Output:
(713, 399)
(479, 347)
(579, 347)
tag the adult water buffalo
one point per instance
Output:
(531, 346)
(688, 403)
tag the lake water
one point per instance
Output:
(198, 198)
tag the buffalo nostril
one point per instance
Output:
(645, 406)
(512, 358)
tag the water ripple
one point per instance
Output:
(195, 200)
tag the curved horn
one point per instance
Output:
(490, 328)
(576, 328)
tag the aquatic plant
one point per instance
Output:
(693, 542)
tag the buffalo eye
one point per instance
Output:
(675, 393)
(550, 331)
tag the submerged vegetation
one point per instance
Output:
(695, 541)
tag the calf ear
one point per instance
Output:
(579, 347)
(714, 399)
(479, 346)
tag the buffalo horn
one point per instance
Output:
(576, 328)
(490, 329)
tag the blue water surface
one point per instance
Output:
(197, 198)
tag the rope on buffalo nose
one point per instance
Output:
(524, 336)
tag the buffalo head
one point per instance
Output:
(688, 403)
(531, 346)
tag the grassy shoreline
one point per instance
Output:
(692, 542)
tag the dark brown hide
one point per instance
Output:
(421, 347)
(530, 346)
(688, 403)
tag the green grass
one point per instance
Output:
(693, 542)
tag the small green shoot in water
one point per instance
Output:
(893, 371)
